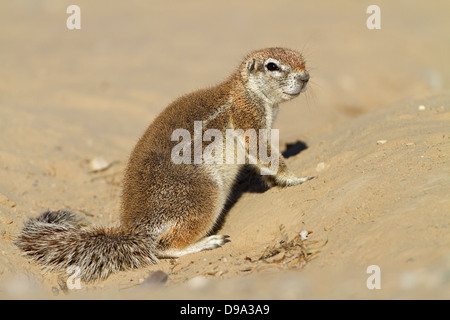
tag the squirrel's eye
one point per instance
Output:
(272, 67)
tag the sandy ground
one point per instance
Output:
(374, 128)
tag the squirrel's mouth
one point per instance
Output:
(297, 90)
(292, 94)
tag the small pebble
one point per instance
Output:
(304, 235)
(155, 280)
(99, 164)
(320, 166)
(381, 141)
(55, 291)
(198, 283)
(421, 107)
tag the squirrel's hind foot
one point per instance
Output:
(207, 243)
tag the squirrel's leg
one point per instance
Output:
(284, 177)
(274, 168)
(189, 231)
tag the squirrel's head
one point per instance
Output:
(275, 74)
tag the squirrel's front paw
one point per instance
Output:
(286, 180)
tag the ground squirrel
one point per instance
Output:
(170, 209)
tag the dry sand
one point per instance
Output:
(374, 128)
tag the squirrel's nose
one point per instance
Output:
(303, 76)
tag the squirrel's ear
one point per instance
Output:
(251, 66)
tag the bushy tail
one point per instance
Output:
(57, 240)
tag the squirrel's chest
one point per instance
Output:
(270, 114)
